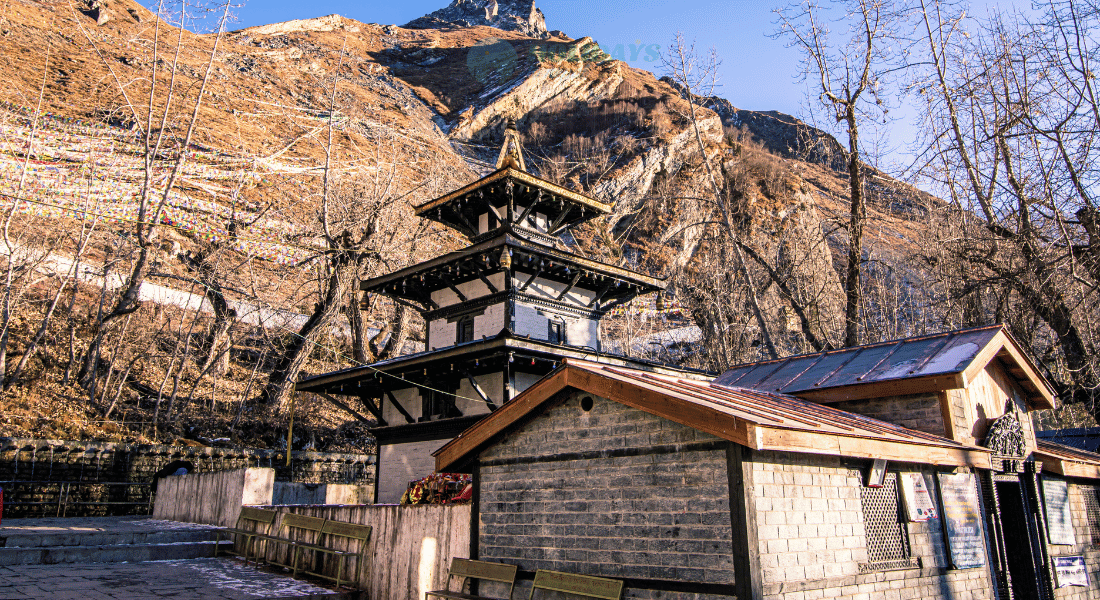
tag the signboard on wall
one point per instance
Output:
(962, 519)
(1070, 570)
(918, 502)
(1056, 506)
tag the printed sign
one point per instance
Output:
(877, 473)
(962, 520)
(918, 502)
(1070, 570)
(1056, 504)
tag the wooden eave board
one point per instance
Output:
(490, 346)
(520, 176)
(758, 421)
(507, 240)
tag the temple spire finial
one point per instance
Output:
(511, 153)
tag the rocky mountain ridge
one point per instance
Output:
(412, 112)
(507, 15)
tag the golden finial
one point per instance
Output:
(511, 153)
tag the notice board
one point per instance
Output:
(1056, 505)
(962, 519)
(1070, 570)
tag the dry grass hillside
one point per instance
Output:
(398, 116)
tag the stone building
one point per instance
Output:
(500, 314)
(908, 469)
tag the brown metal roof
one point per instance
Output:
(913, 365)
(752, 418)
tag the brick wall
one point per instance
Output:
(812, 538)
(644, 510)
(919, 411)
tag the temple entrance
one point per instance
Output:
(1019, 547)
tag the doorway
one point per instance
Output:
(1019, 545)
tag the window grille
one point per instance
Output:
(887, 534)
(1092, 512)
(555, 331)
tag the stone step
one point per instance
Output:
(111, 553)
(54, 539)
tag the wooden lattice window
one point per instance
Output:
(887, 534)
(1092, 512)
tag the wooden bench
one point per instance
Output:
(255, 516)
(323, 528)
(476, 569)
(581, 585)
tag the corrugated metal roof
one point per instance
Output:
(756, 419)
(910, 358)
(771, 409)
(1063, 452)
(1067, 461)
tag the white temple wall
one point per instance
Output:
(398, 464)
(409, 399)
(534, 322)
(470, 289)
(489, 323)
(470, 403)
(521, 381)
(545, 288)
(441, 334)
(583, 332)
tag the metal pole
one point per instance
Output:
(290, 429)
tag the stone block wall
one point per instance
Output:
(1084, 505)
(812, 538)
(918, 411)
(611, 491)
(85, 466)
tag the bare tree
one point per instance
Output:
(849, 71)
(699, 77)
(1012, 125)
(153, 198)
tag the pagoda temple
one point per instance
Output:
(500, 314)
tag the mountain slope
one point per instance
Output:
(400, 115)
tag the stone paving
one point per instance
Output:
(195, 579)
(97, 541)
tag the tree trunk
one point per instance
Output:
(285, 373)
(853, 292)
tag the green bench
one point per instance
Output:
(323, 528)
(581, 585)
(476, 569)
(257, 517)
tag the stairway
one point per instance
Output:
(102, 540)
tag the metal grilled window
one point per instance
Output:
(1092, 512)
(887, 535)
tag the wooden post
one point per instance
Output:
(748, 580)
(290, 429)
(475, 518)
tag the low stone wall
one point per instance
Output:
(289, 492)
(48, 463)
(212, 498)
